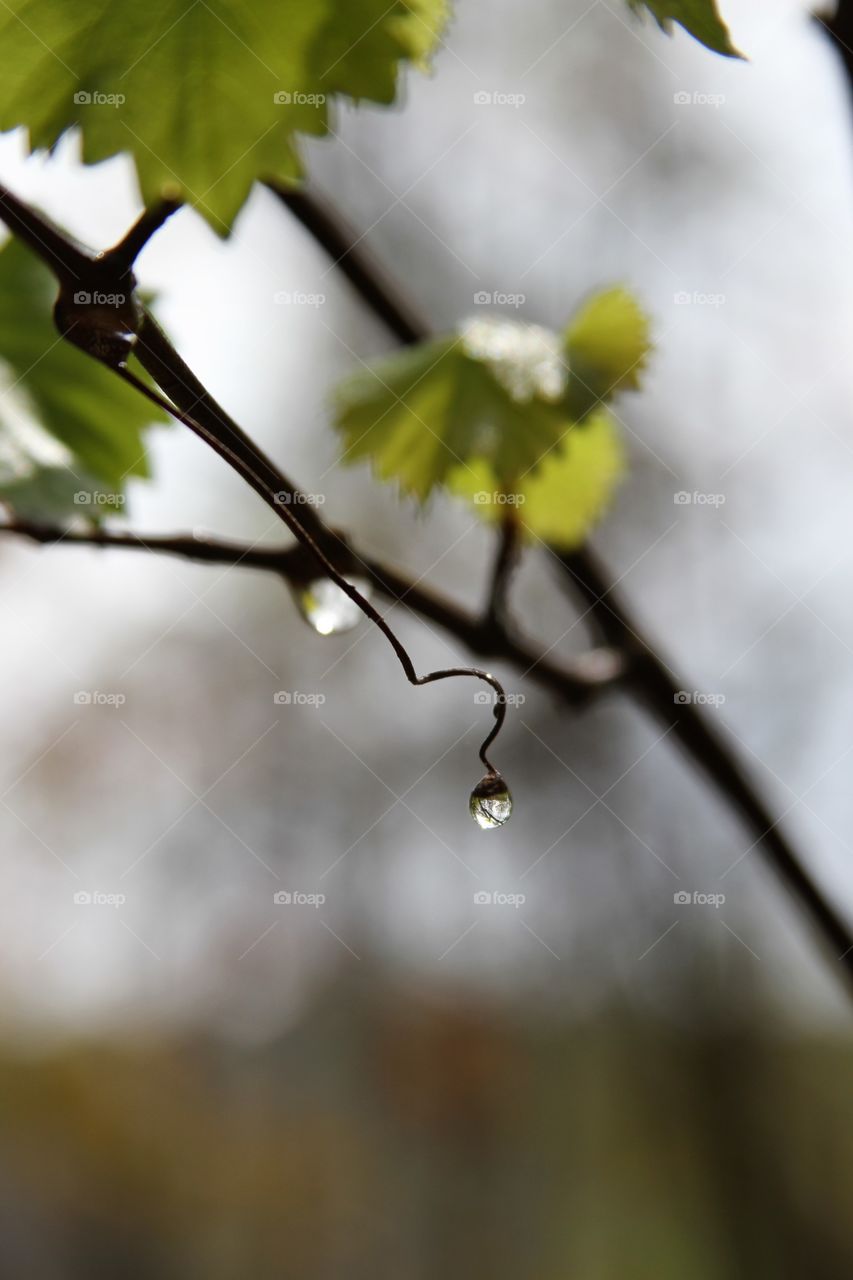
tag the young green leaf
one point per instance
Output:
(607, 346)
(499, 392)
(208, 95)
(561, 500)
(699, 17)
(68, 426)
(492, 391)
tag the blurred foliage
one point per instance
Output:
(565, 495)
(607, 346)
(403, 1135)
(209, 96)
(71, 433)
(700, 17)
(505, 414)
(419, 413)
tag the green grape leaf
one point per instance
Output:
(607, 346)
(70, 430)
(208, 95)
(562, 499)
(499, 392)
(422, 412)
(699, 17)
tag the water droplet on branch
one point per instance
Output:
(104, 323)
(326, 608)
(491, 802)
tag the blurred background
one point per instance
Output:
(595, 1081)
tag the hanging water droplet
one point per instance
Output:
(326, 608)
(491, 802)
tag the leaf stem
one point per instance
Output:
(506, 560)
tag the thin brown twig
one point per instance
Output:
(577, 682)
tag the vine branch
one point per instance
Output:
(112, 333)
(577, 682)
(646, 675)
(649, 679)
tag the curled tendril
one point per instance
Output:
(111, 338)
(285, 512)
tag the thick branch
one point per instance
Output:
(336, 237)
(68, 261)
(704, 742)
(840, 27)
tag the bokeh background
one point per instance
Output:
(599, 1082)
